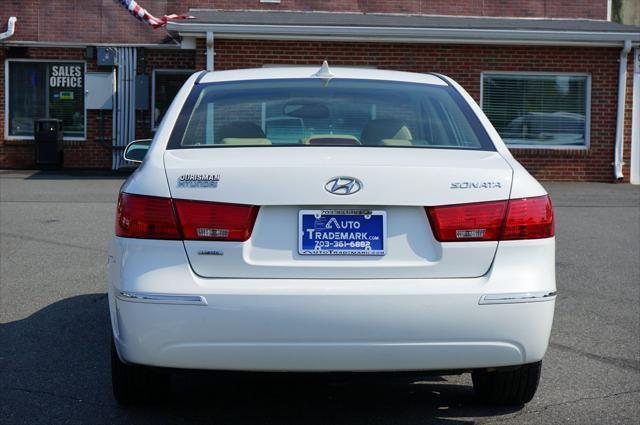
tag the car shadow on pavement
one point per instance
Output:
(55, 368)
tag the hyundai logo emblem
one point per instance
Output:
(343, 185)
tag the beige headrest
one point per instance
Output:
(403, 134)
(384, 128)
(396, 142)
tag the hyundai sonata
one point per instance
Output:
(331, 220)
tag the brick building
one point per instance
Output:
(559, 81)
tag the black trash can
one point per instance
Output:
(48, 142)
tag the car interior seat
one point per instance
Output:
(242, 133)
(386, 131)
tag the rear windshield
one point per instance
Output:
(339, 112)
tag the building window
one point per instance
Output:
(166, 84)
(45, 89)
(538, 110)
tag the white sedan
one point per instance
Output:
(296, 219)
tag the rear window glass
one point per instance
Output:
(340, 112)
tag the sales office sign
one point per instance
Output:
(65, 76)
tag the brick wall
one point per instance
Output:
(91, 21)
(105, 21)
(91, 153)
(465, 63)
(585, 9)
(462, 62)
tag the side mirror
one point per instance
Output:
(136, 150)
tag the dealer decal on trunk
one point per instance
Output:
(198, 180)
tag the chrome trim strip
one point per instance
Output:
(514, 298)
(143, 297)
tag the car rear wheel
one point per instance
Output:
(508, 387)
(135, 384)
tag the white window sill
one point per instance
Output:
(552, 147)
(31, 138)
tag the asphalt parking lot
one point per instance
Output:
(54, 331)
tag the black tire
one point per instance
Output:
(509, 387)
(135, 384)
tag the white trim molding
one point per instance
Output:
(404, 34)
(82, 45)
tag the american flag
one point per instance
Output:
(141, 13)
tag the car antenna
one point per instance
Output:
(324, 73)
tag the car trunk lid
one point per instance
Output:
(284, 181)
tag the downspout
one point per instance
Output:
(11, 28)
(622, 91)
(210, 51)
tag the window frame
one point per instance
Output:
(587, 134)
(155, 71)
(7, 93)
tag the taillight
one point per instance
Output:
(526, 218)
(151, 217)
(529, 218)
(215, 221)
(467, 222)
(147, 217)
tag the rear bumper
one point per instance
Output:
(333, 333)
(328, 325)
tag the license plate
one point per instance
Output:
(342, 232)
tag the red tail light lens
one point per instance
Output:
(151, 217)
(467, 222)
(529, 218)
(526, 218)
(215, 221)
(146, 217)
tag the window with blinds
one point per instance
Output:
(538, 110)
(46, 90)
